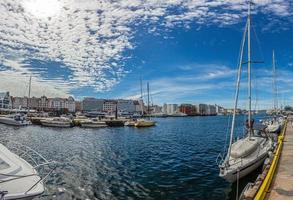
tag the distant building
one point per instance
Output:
(211, 110)
(139, 106)
(188, 109)
(5, 100)
(109, 106)
(126, 105)
(70, 104)
(170, 109)
(78, 106)
(20, 102)
(202, 109)
(92, 104)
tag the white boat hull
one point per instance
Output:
(10, 121)
(247, 169)
(241, 166)
(18, 188)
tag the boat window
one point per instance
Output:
(3, 165)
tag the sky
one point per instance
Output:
(186, 49)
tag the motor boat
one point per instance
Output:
(144, 123)
(19, 178)
(60, 122)
(14, 120)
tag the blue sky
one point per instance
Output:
(186, 50)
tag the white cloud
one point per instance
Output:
(90, 36)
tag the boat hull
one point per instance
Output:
(12, 122)
(63, 125)
(247, 169)
(144, 124)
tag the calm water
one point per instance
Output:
(174, 160)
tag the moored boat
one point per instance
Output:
(60, 122)
(93, 124)
(248, 153)
(14, 120)
(144, 123)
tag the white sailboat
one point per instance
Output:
(274, 125)
(143, 122)
(248, 153)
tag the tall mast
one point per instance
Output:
(141, 96)
(148, 89)
(29, 94)
(274, 84)
(236, 93)
(249, 66)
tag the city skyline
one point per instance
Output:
(187, 50)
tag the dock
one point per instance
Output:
(282, 184)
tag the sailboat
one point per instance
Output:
(248, 153)
(274, 125)
(146, 122)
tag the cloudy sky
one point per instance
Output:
(186, 49)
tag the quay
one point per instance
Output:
(282, 184)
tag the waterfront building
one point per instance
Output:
(5, 100)
(109, 105)
(70, 104)
(170, 109)
(188, 109)
(211, 110)
(43, 103)
(20, 102)
(139, 106)
(92, 104)
(33, 103)
(126, 105)
(78, 106)
(202, 109)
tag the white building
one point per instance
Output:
(109, 106)
(126, 105)
(5, 100)
(170, 109)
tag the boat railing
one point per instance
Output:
(43, 166)
(219, 159)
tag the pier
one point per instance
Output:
(282, 184)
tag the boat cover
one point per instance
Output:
(243, 147)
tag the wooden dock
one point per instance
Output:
(282, 184)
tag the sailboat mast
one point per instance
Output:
(274, 83)
(141, 96)
(236, 93)
(29, 94)
(249, 66)
(148, 89)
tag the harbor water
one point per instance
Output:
(174, 160)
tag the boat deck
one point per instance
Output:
(282, 185)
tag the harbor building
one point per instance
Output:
(188, 109)
(5, 100)
(44, 104)
(126, 105)
(170, 109)
(109, 105)
(20, 102)
(92, 104)
(139, 106)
